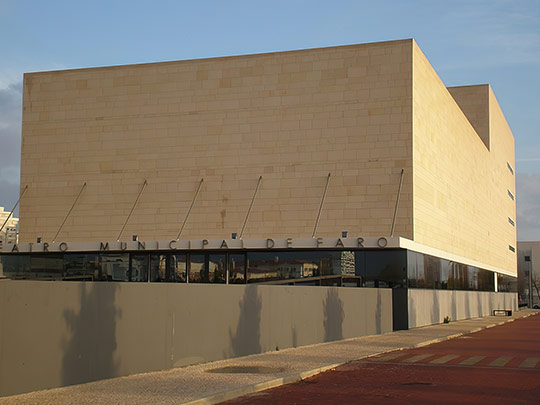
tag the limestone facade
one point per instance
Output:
(361, 113)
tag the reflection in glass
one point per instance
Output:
(16, 266)
(198, 271)
(178, 267)
(386, 268)
(237, 268)
(217, 272)
(415, 270)
(158, 268)
(81, 266)
(139, 268)
(114, 267)
(280, 265)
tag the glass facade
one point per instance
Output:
(432, 272)
(385, 268)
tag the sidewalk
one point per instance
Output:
(240, 376)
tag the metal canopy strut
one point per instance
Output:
(69, 212)
(320, 207)
(15, 206)
(250, 207)
(190, 207)
(132, 209)
(397, 203)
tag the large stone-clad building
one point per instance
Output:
(187, 187)
(361, 113)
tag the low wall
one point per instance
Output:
(61, 333)
(428, 307)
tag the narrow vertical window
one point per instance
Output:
(510, 195)
(510, 168)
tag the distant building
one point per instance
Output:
(10, 232)
(528, 261)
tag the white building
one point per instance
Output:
(10, 231)
(529, 272)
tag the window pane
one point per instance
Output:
(329, 266)
(47, 266)
(432, 271)
(198, 272)
(486, 280)
(217, 272)
(114, 267)
(386, 268)
(178, 266)
(447, 279)
(237, 267)
(158, 268)
(81, 266)
(139, 268)
(415, 270)
(15, 266)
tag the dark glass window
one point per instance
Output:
(178, 267)
(217, 270)
(81, 266)
(510, 195)
(447, 278)
(486, 280)
(50, 266)
(237, 268)
(158, 269)
(114, 267)
(506, 283)
(15, 266)
(510, 168)
(198, 270)
(386, 268)
(415, 270)
(329, 266)
(432, 268)
(139, 268)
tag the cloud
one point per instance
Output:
(10, 142)
(528, 206)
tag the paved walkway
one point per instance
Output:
(498, 365)
(199, 384)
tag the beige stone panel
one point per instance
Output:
(291, 117)
(460, 187)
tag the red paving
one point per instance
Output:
(503, 367)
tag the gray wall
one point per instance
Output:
(60, 333)
(428, 307)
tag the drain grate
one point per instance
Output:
(247, 370)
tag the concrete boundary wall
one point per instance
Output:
(54, 334)
(428, 307)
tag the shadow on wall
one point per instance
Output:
(333, 316)
(247, 338)
(454, 316)
(89, 352)
(436, 309)
(378, 313)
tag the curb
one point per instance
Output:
(299, 376)
(250, 389)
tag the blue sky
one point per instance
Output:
(467, 42)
